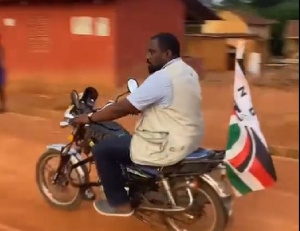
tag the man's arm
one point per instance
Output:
(150, 92)
(115, 111)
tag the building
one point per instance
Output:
(291, 37)
(91, 42)
(214, 51)
(262, 28)
(220, 37)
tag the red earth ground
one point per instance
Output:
(23, 139)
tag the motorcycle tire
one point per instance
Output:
(40, 181)
(221, 214)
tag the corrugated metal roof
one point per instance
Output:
(292, 29)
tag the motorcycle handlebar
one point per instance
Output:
(70, 117)
(65, 123)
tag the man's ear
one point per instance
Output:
(168, 54)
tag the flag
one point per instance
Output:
(249, 165)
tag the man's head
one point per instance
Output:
(163, 48)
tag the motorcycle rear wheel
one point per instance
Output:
(211, 197)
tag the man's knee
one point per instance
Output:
(114, 148)
(100, 150)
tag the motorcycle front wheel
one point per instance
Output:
(61, 194)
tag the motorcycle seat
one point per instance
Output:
(199, 155)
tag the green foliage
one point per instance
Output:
(288, 10)
(264, 3)
(279, 10)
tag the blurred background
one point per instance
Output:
(53, 46)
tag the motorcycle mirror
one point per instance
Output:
(75, 98)
(89, 93)
(132, 85)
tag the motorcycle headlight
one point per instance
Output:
(70, 138)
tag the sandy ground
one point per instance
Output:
(277, 107)
(23, 208)
(23, 138)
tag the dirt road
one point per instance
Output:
(23, 139)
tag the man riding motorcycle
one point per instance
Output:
(170, 127)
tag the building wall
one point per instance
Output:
(231, 23)
(264, 50)
(215, 52)
(262, 44)
(291, 48)
(263, 31)
(212, 51)
(57, 56)
(137, 21)
(88, 59)
(250, 45)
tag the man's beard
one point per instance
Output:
(152, 69)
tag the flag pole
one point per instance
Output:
(240, 49)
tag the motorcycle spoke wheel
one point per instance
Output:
(60, 193)
(206, 214)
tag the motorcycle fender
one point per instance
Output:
(227, 198)
(209, 180)
(75, 156)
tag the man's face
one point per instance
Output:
(156, 58)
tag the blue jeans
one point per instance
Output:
(108, 155)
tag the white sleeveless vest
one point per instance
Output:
(165, 136)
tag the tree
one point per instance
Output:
(279, 10)
(288, 10)
(265, 3)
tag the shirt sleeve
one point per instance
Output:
(152, 91)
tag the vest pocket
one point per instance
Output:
(155, 142)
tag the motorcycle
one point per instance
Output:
(173, 197)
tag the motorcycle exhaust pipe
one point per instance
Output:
(174, 209)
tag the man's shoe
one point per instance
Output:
(104, 208)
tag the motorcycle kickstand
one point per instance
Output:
(171, 224)
(143, 218)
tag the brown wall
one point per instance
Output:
(263, 48)
(291, 48)
(88, 59)
(259, 46)
(263, 31)
(213, 52)
(138, 20)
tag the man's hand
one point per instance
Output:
(110, 113)
(81, 119)
(115, 111)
